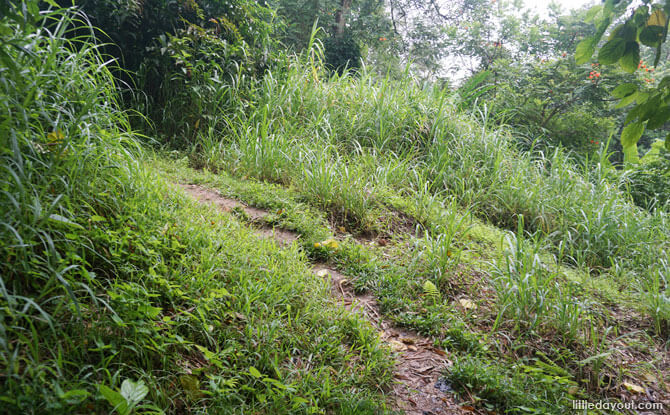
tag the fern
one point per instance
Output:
(431, 291)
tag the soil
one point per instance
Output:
(226, 204)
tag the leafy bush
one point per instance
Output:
(342, 52)
(181, 57)
(649, 182)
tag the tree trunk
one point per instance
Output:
(341, 17)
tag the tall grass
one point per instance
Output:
(346, 117)
(66, 155)
(116, 294)
(318, 132)
(66, 159)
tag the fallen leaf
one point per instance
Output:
(396, 345)
(425, 369)
(650, 378)
(322, 273)
(467, 304)
(633, 387)
(440, 352)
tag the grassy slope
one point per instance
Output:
(357, 147)
(111, 275)
(497, 362)
(560, 295)
(114, 283)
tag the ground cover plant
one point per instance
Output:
(120, 295)
(537, 269)
(552, 332)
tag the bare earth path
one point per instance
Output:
(417, 389)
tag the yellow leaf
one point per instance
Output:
(633, 387)
(322, 273)
(328, 243)
(397, 346)
(55, 136)
(467, 304)
(657, 18)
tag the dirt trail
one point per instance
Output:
(206, 195)
(418, 388)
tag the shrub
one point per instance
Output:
(342, 52)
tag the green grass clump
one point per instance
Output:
(355, 145)
(119, 293)
(533, 388)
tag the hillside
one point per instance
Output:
(254, 234)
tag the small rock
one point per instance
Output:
(443, 385)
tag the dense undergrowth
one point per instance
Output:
(352, 143)
(532, 348)
(118, 292)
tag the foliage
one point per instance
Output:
(648, 182)
(647, 25)
(342, 53)
(180, 58)
(120, 295)
(553, 102)
(365, 24)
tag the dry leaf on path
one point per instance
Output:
(633, 387)
(467, 304)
